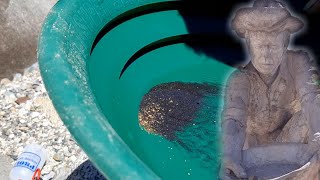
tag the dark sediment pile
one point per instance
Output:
(187, 114)
(170, 107)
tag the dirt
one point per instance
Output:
(168, 108)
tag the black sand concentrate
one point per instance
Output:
(168, 108)
(187, 113)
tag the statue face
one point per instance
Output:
(267, 50)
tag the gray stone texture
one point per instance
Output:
(20, 24)
(6, 165)
(272, 106)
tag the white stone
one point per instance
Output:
(5, 81)
(73, 158)
(17, 77)
(10, 96)
(11, 136)
(34, 114)
(2, 113)
(58, 157)
(45, 123)
(23, 112)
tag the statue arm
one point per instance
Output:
(307, 85)
(234, 115)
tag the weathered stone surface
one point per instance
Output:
(6, 165)
(20, 24)
(294, 161)
(272, 101)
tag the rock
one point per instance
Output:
(22, 121)
(5, 81)
(11, 136)
(27, 106)
(7, 106)
(48, 176)
(20, 149)
(23, 112)
(22, 100)
(58, 157)
(17, 77)
(34, 114)
(56, 147)
(73, 158)
(23, 129)
(6, 131)
(63, 173)
(10, 96)
(14, 157)
(45, 123)
(2, 113)
(30, 125)
(47, 168)
(31, 69)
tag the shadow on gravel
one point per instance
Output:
(86, 171)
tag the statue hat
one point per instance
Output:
(265, 15)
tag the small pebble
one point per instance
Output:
(73, 158)
(9, 95)
(22, 121)
(2, 113)
(58, 157)
(45, 123)
(23, 128)
(5, 81)
(22, 100)
(11, 136)
(48, 176)
(34, 114)
(17, 77)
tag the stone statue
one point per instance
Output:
(271, 104)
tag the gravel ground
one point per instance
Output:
(27, 116)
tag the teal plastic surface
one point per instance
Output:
(99, 109)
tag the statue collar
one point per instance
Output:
(282, 73)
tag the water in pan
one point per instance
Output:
(192, 152)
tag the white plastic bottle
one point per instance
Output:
(29, 163)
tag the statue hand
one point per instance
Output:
(232, 168)
(316, 136)
(314, 143)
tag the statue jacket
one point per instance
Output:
(262, 108)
